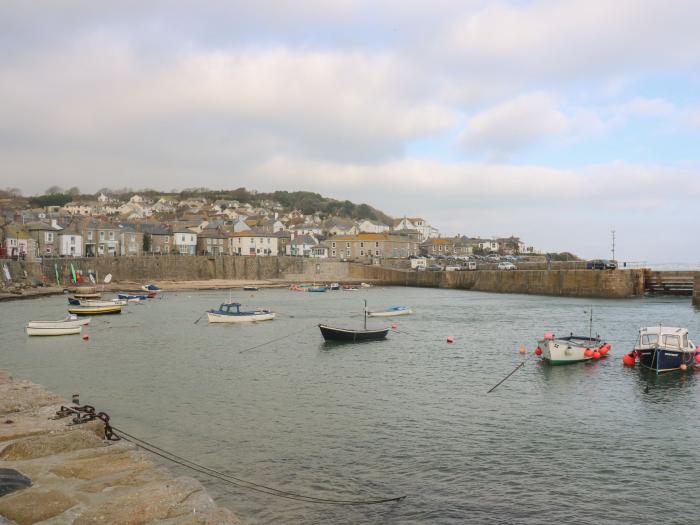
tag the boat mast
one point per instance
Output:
(365, 314)
(590, 326)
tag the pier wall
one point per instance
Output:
(571, 283)
(696, 289)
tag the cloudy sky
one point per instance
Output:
(554, 120)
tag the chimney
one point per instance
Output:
(54, 223)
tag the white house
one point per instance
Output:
(78, 208)
(416, 223)
(301, 245)
(254, 243)
(184, 241)
(370, 226)
(70, 243)
(306, 229)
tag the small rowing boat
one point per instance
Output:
(352, 335)
(58, 330)
(70, 321)
(128, 296)
(95, 310)
(95, 302)
(231, 313)
(150, 288)
(250, 288)
(391, 312)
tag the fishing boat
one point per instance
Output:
(665, 348)
(69, 321)
(334, 286)
(572, 348)
(55, 330)
(316, 289)
(231, 313)
(350, 335)
(150, 288)
(392, 311)
(95, 310)
(250, 288)
(350, 288)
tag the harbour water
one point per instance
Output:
(406, 416)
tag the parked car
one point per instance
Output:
(601, 264)
(434, 268)
(471, 265)
(507, 266)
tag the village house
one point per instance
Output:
(100, 238)
(343, 229)
(307, 229)
(301, 245)
(240, 224)
(510, 245)
(159, 238)
(15, 241)
(366, 246)
(440, 246)
(320, 251)
(416, 223)
(45, 237)
(184, 241)
(213, 241)
(271, 226)
(130, 240)
(283, 240)
(78, 208)
(370, 226)
(70, 242)
(254, 243)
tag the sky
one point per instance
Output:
(557, 121)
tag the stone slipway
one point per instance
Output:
(79, 478)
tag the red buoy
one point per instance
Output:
(538, 351)
(596, 355)
(628, 360)
(85, 337)
(603, 350)
(697, 358)
(394, 326)
(588, 353)
(450, 339)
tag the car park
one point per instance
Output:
(507, 266)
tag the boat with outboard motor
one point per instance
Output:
(392, 311)
(665, 348)
(232, 313)
(352, 335)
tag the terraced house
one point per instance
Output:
(366, 246)
(100, 238)
(254, 243)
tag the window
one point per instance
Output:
(89, 235)
(672, 341)
(362, 245)
(362, 252)
(376, 244)
(72, 239)
(111, 236)
(377, 253)
(333, 246)
(102, 236)
(333, 252)
(167, 240)
(347, 245)
(348, 253)
(191, 238)
(133, 238)
(685, 340)
(49, 236)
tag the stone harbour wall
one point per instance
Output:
(77, 477)
(696, 289)
(572, 283)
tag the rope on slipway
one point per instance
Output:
(242, 483)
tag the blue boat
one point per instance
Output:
(150, 288)
(392, 311)
(665, 348)
(131, 297)
(231, 313)
(316, 289)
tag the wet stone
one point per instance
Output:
(34, 505)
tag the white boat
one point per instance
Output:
(95, 302)
(231, 313)
(568, 350)
(391, 312)
(96, 310)
(49, 330)
(69, 322)
(365, 285)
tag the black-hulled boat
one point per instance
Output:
(352, 335)
(665, 348)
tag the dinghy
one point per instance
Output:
(95, 310)
(231, 313)
(572, 348)
(391, 312)
(351, 335)
(48, 330)
(95, 302)
(150, 288)
(70, 321)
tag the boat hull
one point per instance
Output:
(247, 318)
(64, 323)
(665, 360)
(95, 310)
(44, 331)
(566, 352)
(348, 335)
(390, 313)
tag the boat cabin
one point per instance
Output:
(229, 309)
(665, 338)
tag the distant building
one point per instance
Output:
(70, 242)
(254, 243)
(301, 246)
(184, 241)
(365, 246)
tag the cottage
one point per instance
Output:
(15, 241)
(301, 245)
(370, 226)
(70, 242)
(45, 236)
(254, 243)
(100, 238)
(184, 241)
(434, 247)
(130, 240)
(369, 245)
(213, 241)
(156, 238)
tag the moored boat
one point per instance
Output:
(316, 289)
(250, 288)
(392, 311)
(69, 322)
(96, 302)
(571, 349)
(232, 313)
(150, 288)
(54, 330)
(334, 286)
(665, 348)
(95, 310)
(130, 295)
(353, 335)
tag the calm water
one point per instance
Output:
(410, 415)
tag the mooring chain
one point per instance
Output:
(85, 413)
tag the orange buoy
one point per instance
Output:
(596, 355)
(697, 358)
(394, 326)
(85, 337)
(538, 351)
(628, 360)
(588, 352)
(522, 349)
(603, 350)
(450, 339)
